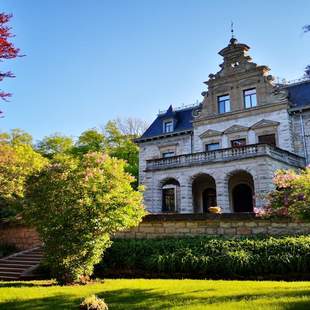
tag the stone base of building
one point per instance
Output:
(228, 225)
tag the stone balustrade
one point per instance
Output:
(227, 154)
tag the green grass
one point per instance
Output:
(159, 294)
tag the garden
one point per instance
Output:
(79, 193)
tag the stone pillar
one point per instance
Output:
(186, 196)
(222, 194)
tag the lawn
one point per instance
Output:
(159, 294)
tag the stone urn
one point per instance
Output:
(215, 210)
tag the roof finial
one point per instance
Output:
(233, 40)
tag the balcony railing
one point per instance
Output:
(228, 154)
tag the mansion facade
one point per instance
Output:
(224, 151)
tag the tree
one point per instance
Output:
(7, 49)
(75, 204)
(306, 28)
(133, 127)
(91, 140)
(54, 144)
(17, 162)
(16, 137)
(123, 147)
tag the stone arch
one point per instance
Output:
(203, 192)
(241, 190)
(170, 195)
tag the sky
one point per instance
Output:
(90, 61)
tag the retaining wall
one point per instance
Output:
(176, 225)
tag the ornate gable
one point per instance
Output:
(210, 133)
(236, 128)
(265, 123)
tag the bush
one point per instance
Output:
(291, 196)
(75, 204)
(93, 303)
(208, 257)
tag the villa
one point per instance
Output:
(224, 151)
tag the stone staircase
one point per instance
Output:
(17, 266)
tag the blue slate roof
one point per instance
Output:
(299, 94)
(182, 122)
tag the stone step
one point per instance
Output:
(23, 262)
(10, 274)
(8, 278)
(13, 268)
(26, 258)
(16, 266)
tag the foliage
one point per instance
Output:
(7, 49)
(91, 140)
(16, 137)
(54, 144)
(75, 204)
(17, 162)
(123, 147)
(292, 194)
(93, 303)
(206, 257)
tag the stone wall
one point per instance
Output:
(21, 237)
(183, 225)
(177, 225)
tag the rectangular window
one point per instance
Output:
(212, 147)
(168, 154)
(238, 143)
(223, 104)
(168, 200)
(250, 99)
(168, 126)
(267, 139)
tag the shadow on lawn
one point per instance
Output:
(157, 300)
(24, 284)
(47, 303)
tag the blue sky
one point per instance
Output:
(91, 61)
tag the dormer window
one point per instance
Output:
(249, 96)
(223, 104)
(168, 126)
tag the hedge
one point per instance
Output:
(206, 257)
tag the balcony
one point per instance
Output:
(223, 155)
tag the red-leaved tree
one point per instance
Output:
(7, 49)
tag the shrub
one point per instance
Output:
(209, 257)
(93, 303)
(291, 196)
(75, 204)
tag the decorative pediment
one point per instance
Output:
(236, 128)
(265, 123)
(210, 133)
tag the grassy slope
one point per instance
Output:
(160, 294)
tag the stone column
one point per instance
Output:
(222, 194)
(186, 196)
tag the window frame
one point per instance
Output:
(234, 140)
(250, 97)
(268, 134)
(165, 122)
(164, 154)
(219, 102)
(212, 143)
